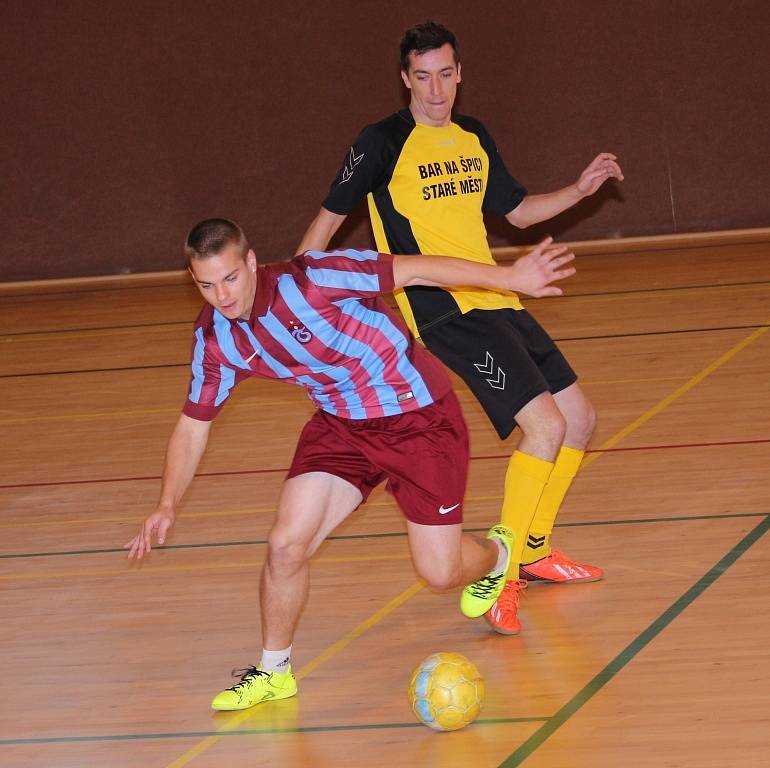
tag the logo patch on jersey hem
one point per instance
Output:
(405, 396)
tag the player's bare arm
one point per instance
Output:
(320, 232)
(537, 208)
(532, 274)
(183, 454)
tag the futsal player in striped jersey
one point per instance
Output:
(385, 411)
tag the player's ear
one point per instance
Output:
(405, 78)
(251, 260)
(459, 73)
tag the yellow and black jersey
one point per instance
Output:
(427, 190)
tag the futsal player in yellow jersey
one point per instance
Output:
(429, 176)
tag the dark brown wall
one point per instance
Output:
(125, 123)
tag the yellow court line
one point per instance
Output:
(235, 720)
(405, 596)
(299, 400)
(463, 394)
(134, 570)
(129, 518)
(211, 740)
(203, 515)
(185, 326)
(143, 412)
(85, 333)
(644, 380)
(666, 401)
(728, 291)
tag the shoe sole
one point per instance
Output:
(255, 704)
(500, 630)
(531, 580)
(476, 615)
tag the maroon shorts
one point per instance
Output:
(423, 455)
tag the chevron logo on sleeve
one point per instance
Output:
(487, 368)
(353, 161)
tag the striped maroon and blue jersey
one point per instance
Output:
(318, 322)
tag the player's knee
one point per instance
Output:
(543, 424)
(582, 424)
(442, 577)
(549, 433)
(285, 552)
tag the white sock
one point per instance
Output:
(275, 661)
(502, 557)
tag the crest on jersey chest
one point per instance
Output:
(299, 332)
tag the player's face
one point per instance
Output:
(432, 78)
(228, 281)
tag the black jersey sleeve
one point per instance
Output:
(361, 172)
(503, 192)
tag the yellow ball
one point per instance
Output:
(446, 691)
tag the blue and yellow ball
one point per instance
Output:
(446, 691)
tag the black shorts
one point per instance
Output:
(504, 356)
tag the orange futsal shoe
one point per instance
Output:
(503, 615)
(557, 568)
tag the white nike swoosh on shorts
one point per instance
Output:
(442, 510)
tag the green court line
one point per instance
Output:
(396, 534)
(253, 731)
(634, 647)
(550, 724)
(206, 545)
(675, 519)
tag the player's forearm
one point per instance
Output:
(533, 274)
(183, 454)
(445, 271)
(536, 208)
(320, 231)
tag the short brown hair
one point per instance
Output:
(210, 236)
(428, 36)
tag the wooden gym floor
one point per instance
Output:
(664, 663)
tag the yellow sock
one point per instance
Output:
(524, 483)
(538, 543)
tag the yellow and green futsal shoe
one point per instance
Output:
(478, 598)
(255, 687)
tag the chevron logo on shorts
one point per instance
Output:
(487, 368)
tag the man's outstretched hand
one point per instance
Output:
(157, 524)
(604, 166)
(533, 273)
